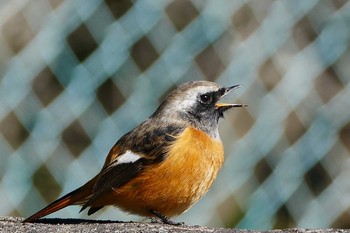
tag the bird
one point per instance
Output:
(164, 165)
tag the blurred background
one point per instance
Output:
(77, 75)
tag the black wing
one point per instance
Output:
(150, 141)
(113, 176)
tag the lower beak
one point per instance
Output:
(223, 107)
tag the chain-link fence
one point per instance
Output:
(77, 75)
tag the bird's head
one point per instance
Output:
(197, 103)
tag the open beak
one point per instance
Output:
(222, 107)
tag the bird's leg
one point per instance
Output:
(164, 218)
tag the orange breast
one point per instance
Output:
(178, 182)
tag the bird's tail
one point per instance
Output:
(78, 196)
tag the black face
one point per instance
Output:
(205, 111)
(206, 104)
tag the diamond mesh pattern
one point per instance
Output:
(77, 75)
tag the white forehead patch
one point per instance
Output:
(128, 157)
(191, 95)
(203, 89)
(181, 101)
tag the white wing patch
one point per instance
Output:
(128, 157)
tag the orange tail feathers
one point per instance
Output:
(77, 196)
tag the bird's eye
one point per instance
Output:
(205, 98)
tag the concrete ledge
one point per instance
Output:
(14, 224)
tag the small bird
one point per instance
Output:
(164, 165)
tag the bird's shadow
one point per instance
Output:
(74, 221)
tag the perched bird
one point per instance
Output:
(164, 165)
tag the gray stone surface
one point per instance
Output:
(14, 224)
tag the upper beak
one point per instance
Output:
(223, 106)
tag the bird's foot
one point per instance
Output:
(163, 219)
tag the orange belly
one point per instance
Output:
(175, 184)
